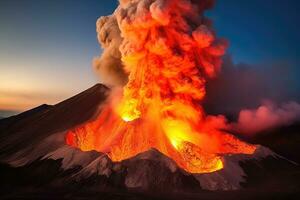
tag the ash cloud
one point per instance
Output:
(258, 97)
(240, 86)
(109, 65)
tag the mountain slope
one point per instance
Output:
(29, 128)
(33, 153)
(284, 141)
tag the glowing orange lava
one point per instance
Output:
(168, 61)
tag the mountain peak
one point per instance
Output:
(34, 125)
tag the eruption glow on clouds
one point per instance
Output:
(169, 51)
(267, 116)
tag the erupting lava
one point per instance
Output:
(169, 51)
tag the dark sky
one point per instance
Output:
(47, 46)
(260, 31)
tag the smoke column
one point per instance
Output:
(169, 51)
(109, 65)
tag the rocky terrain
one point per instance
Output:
(36, 163)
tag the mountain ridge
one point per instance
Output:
(35, 141)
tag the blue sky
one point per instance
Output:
(259, 31)
(47, 46)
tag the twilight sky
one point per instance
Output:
(47, 46)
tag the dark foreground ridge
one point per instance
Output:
(34, 125)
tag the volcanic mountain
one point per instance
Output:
(35, 161)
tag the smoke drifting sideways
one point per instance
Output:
(267, 116)
(259, 97)
(237, 86)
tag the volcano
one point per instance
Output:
(168, 51)
(36, 161)
(147, 132)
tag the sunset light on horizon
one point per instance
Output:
(47, 47)
(149, 99)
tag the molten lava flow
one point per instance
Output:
(169, 52)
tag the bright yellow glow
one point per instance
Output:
(219, 165)
(128, 118)
(175, 143)
(197, 160)
(164, 91)
(129, 111)
(178, 131)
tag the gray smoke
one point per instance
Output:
(240, 86)
(109, 65)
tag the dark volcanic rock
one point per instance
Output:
(31, 127)
(151, 170)
(147, 171)
(33, 142)
(284, 141)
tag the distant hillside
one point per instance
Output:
(284, 141)
(7, 113)
(48, 119)
(36, 163)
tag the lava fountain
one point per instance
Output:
(169, 51)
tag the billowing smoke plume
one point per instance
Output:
(137, 14)
(235, 88)
(170, 51)
(263, 89)
(109, 65)
(267, 116)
